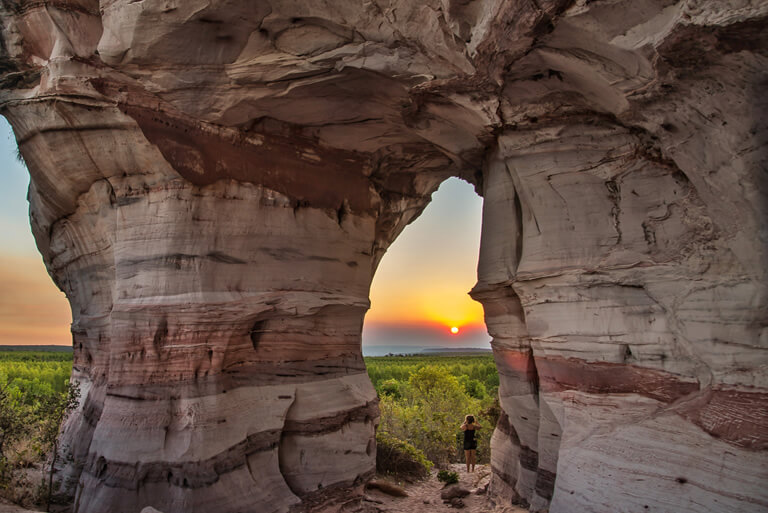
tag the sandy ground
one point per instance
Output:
(424, 496)
(7, 507)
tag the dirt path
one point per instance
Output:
(8, 507)
(424, 496)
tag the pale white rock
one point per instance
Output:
(215, 182)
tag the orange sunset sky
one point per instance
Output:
(419, 291)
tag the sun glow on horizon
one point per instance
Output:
(424, 278)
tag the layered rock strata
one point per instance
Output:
(214, 183)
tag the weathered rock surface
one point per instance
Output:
(453, 491)
(215, 181)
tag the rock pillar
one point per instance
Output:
(617, 303)
(215, 181)
(216, 331)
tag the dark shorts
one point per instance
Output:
(470, 445)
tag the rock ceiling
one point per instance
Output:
(215, 181)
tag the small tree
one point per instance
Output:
(441, 403)
(11, 421)
(53, 411)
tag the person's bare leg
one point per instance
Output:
(472, 457)
(468, 458)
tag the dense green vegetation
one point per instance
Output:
(424, 400)
(479, 367)
(31, 375)
(34, 398)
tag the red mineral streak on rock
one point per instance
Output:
(557, 374)
(517, 362)
(214, 183)
(738, 417)
(310, 174)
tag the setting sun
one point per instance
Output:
(419, 290)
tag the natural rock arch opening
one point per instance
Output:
(619, 149)
(419, 290)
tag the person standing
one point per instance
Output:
(470, 444)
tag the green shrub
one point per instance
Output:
(390, 387)
(398, 457)
(447, 477)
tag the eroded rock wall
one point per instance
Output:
(216, 332)
(628, 308)
(214, 183)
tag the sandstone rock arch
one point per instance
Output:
(214, 181)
